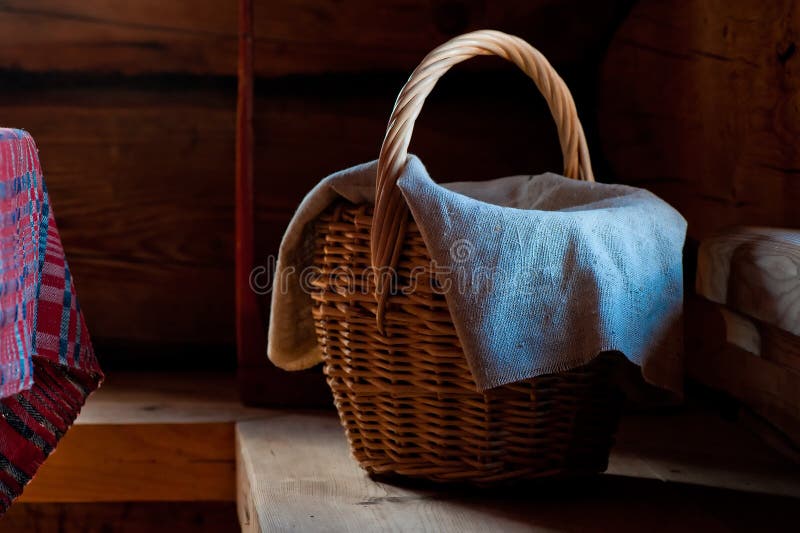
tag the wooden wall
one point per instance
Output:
(139, 184)
(292, 36)
(700, 102)
(132, 104)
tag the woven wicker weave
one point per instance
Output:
(400, 380)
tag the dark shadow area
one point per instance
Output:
(122, 517)
(618, 503)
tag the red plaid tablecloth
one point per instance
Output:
(47, 365)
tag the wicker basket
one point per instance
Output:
(400, 380)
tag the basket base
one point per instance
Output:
(406, 396)
(542, 428)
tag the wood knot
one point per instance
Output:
(786, 52)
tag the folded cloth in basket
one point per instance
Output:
(47, 365)
(545, 272)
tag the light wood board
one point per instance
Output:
(163, 398)
(754, 271)
(148, 437)
(296, 474)
(138, 462)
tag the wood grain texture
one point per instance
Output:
(148, 437)
(295, 472)
(250, 321)
(166, 398)
(141, 462)
(308, 36)
(700, 103)
(755, 271)
(140, 182)
(134, 160)
(118, 36)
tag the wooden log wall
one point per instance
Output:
(700, 102)
(292, 36)
(132, 104)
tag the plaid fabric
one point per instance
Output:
(47, 365)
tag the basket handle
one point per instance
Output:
(391, 212)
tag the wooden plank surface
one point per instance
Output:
(686, 471)
(301, 477)
(754, 271)
(148, 437)
(139, 181)
(699, 103)
(308, 36)
(139, 462)
(128, 398)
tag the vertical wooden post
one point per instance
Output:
(250, 337)
(260, 383)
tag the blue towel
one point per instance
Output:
(544, 272)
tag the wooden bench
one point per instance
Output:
(752, 275)
(166, 439)
(296, 474)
